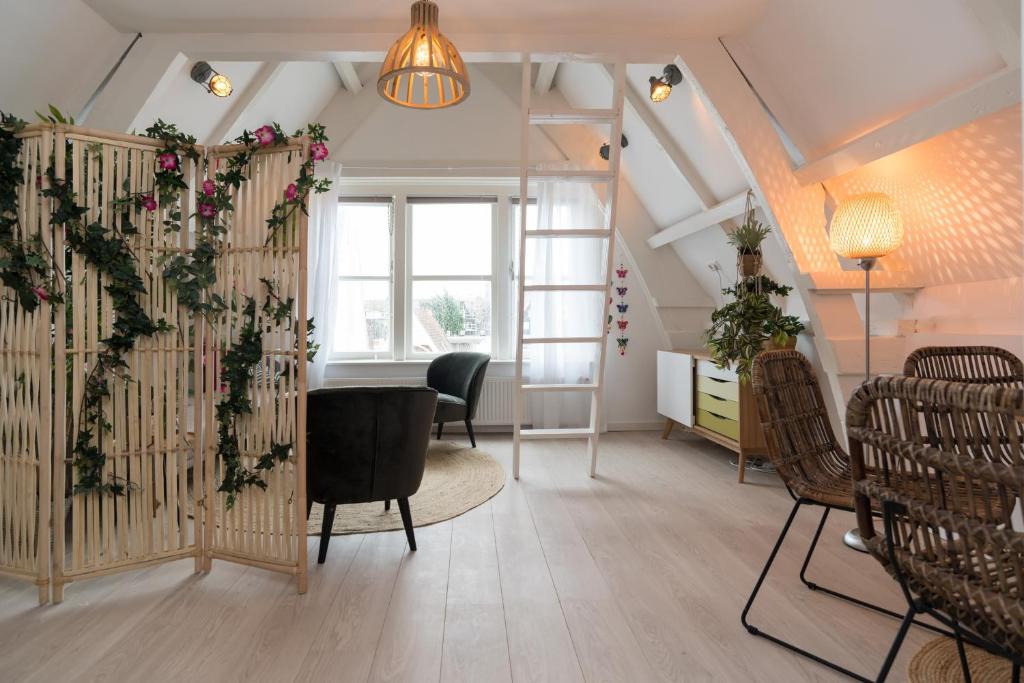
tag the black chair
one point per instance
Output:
(366, 444)
(458, 378)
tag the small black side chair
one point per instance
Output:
(458, 378)
(366, 444)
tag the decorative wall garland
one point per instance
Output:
(622, 340)
(28, 269)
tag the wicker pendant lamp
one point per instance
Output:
(423, 69)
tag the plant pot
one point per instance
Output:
(750, 264)
(772, 345)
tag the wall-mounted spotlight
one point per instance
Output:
(606, 148)
(661, 88)
(214, 82)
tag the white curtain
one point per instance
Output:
(322, 277)
(549, 261)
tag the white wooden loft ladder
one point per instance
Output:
(608, 177)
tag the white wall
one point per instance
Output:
(53, 52)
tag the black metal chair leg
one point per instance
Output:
(894, 650)
(325, 532)
(440, 426)
(387, 505)
(403, 507)
(309, 506)
(849, 598)
(472, 437)
(753, 630)
(1016, 672)
(961, 652)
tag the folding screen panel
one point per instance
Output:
(139, 511)
(261, 277)
(26, 396)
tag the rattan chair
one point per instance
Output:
(811, 462)
(973, 364)
(942, 463)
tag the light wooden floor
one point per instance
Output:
(637, 575)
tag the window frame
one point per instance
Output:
(501, 192)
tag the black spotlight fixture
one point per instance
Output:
(661, 88)
(215, 83)
(606, 149)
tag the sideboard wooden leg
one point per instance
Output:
(742, 465)
(669, 424)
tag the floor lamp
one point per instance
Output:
(865, 227)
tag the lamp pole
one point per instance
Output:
(867, 264)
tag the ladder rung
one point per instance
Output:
(569, 233)
(580, 176)
(552, 116)
(564, 288)
(563, 340)
(583, 432)
(558, 387)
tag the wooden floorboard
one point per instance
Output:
(636, 575)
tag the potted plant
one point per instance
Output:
(750, 323)
(747, 239)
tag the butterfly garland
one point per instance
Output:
(622, 340)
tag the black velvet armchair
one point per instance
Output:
(366, 444)
(458, 378)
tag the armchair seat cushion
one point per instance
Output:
(450, 408)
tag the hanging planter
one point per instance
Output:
(747, 239)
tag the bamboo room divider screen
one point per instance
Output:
(171, 508)
(266, 527)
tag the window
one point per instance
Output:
(451, 278)
(364, 316)
(425, 267)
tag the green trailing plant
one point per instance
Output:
(106, 250)
(741, 328)
(26, 266)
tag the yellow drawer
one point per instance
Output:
(718, 387)
(716, 423)
(718, 406)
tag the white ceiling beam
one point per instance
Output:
(992, 94)
(545, 77)
(639, 104)
(349, 78)
(371, 47)
(730, 208)
(259, 83)
(1000, 20)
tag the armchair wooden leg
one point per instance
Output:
(387, 505)
(440, 426)
(403, 507)
(325, 533)
(472, 436)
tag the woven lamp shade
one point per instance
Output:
(866, 226)
(423, 69)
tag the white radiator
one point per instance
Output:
(494, 408)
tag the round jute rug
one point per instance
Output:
(938, 662)
(456, 479)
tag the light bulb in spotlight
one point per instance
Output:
(220, 85)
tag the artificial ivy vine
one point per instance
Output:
(26, 266)
(106, 250)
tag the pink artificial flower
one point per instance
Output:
(291, 192)
(209, 187)
(41, 293)
(265, 135)
(318, 151)
(148, 203)
(168, 161)
(207, 210)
